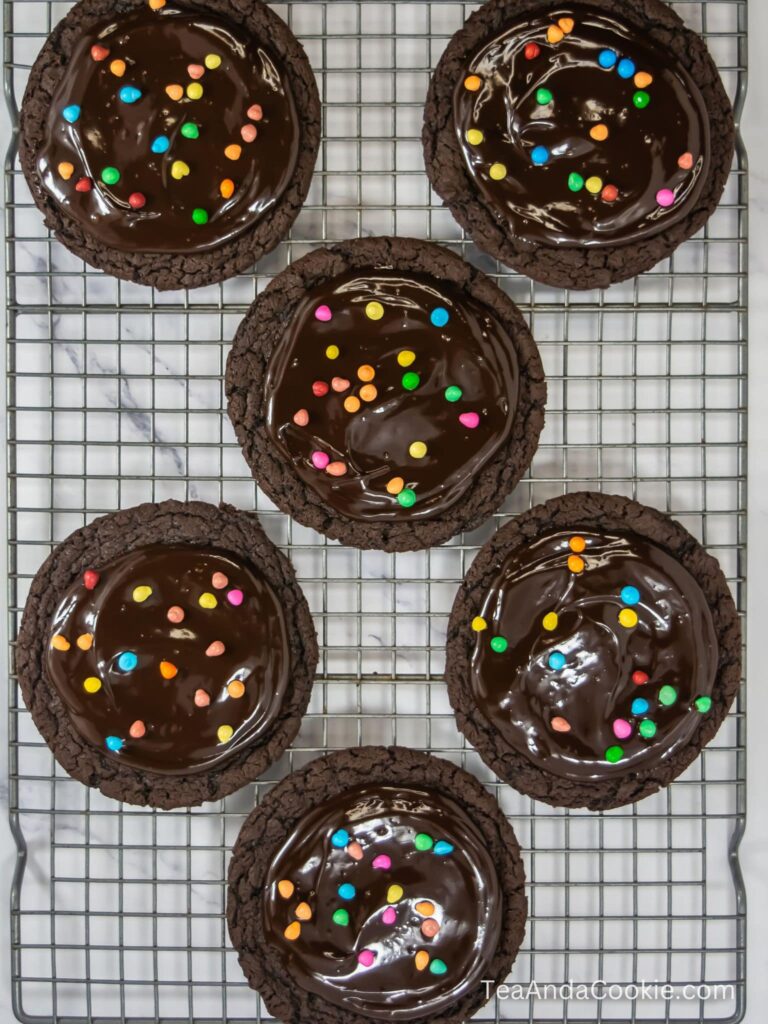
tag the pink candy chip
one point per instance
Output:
(320, 460)
(622, 729)
(366, 957)
(195, 70)
(665, 197)
(301, 418)
(685, 161)
(235, 597)
(470, 420)
(323, 313)
(219, 581)
(382, 862)
(355, 851)
(248, 133)
(175, 614)
(215, 650)
(340, 384)
(202, 700)
(255, 112)
(389, 916)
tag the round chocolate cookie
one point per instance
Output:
(376, 884)
(170, 142)
(167, 653)
(593, 650)
(580, 143)
(386, 393)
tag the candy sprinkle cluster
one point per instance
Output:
(399, 909)
(366, 392)
(599, 131)
(627, 617)
(126, 661)
(161, 144)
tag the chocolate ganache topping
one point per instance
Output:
(171, 131)
(171, 658)
(578, 129)
(596, 654)
(390, 391)
(384, 901)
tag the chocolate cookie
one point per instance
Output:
(167, 653)
(579, 143)
(593, 650)
(170, 142)
(386, 393)
(376, 884)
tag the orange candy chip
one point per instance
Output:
(566, 24)
(430, 928)
(425, 908)
(560, 725)
(227, 188)
(472, 83)
(286, 888)
(157, 5)
(235, 689)
(60, 643)
(352, 403)
(304, 912)
(293, 931)
(168, 670)
(394, 486)
(366, 372)
(368, 392)
(575, 563)
(233, 152)
(138, 729)
(117, 67)
(422, 959)
(577, 544)
(554, 34)
(66, 170)
(336, 468)
(174, 91)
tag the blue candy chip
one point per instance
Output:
(129, 94)
(439, 317)
(630, 595)
(556, 660)
(442, 848)
(347, 891)
(626, 68)
(160, 144)
(607, 58)
(71, 113)
(340, 839)
(127, 661)
(539, 155)
(114, 743)
(639, 706)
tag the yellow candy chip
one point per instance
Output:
(194, 90)
(549, 622)
(594, 184)
(497, 171)
(92, 684)
(293, 931)
(286, 888)
(374, 311)
(224, 733)
(417, 450)
(332, 352)
(179, 170)
(212, 61)
(628, 617)
(207, 600)
(60, 643)
(479, 624)
(406, 357)
(474, 136)
(394, 893)
(140, 594)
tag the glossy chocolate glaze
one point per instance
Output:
(639, 157)
(157, 48)
(471, 351)
(461, 885)
(673, 643)
(181, 736)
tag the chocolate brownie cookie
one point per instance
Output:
(166, 653)
(376, 884)
(593, 650)
(386, 393)
(580, 143)
(170, 142)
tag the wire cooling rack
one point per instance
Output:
(115, 397)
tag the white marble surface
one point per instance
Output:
(409, 599)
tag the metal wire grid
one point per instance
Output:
(114, 397)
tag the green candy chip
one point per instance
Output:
(110, 175)
(641, 99)
(499, 644)
(407, 497)
(614, 754)
(411, 381)
(200, 216)
(423, 841)
(341, 917)
(438, 967)
(575, 182)
(647, 729)
(667, 696)
(544, 96)
(453, 393)
(190, 130)
(703, 704)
